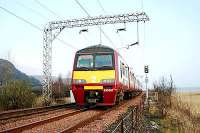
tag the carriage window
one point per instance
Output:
(121, 69)
(127, 72)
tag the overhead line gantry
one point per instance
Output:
(54, 28)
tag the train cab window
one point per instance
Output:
(104, 61)
(84, 61)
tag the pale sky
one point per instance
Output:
(168, 42)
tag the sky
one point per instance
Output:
(168, 42)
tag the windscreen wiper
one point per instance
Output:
(83, 68)
(105, 67)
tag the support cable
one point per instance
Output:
(32, 10)
(107, 37)
(22, 19)
(100, 35)
(56, 15)
(103, 9)
(142, 5)
(137, 32)
(48, 9)
(33, 25)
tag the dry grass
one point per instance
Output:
(39, 101)
(192, 99)
(185, 111)
(183, 116)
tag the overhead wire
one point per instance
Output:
(144, 26)
(144, 34)
(53, 13)
(22, 19)
(59, 17)
(103, 9)
(64, 42)
(142, 5)
(33, 25)
(101, 30)
(32, 10)
(101, 6)
(48, 9)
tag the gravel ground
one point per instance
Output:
(104, 121)
(62, 124)
(34, 118)
(3, 122)
(96, 126)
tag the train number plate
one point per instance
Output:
(93, 87)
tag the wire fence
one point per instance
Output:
(129, 122)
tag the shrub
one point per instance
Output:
(16, 94)
(165, 89)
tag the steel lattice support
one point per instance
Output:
(47, 67)
(53, 29)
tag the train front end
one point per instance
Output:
(94, 76)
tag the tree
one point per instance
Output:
(58, 88)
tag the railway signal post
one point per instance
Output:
(146, 71)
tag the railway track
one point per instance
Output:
(40, 122)
(72, 128)
(30, 111)
(85, 122)
(67, 121)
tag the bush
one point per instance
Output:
(16, 94)
(165, 88)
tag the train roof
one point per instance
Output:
(96, 48)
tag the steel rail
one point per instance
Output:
(41, 122)
(30, 111)
(89, 120)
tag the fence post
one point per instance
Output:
(136, 124)
(132, 118)
(122, 127)
(139, 117)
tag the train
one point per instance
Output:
(100, 76)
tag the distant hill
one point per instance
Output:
(54, 78)
(188, 89)
(9, 72)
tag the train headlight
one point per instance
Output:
(107, 81)
(79, 81)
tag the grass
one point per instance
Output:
(183, 116)
(186, 110)
(39, 101)
(166, 126)
(191, 99)
(163, 123)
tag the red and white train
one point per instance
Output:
(100, 76)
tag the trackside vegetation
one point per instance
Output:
(168, 112)
(16, 94)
